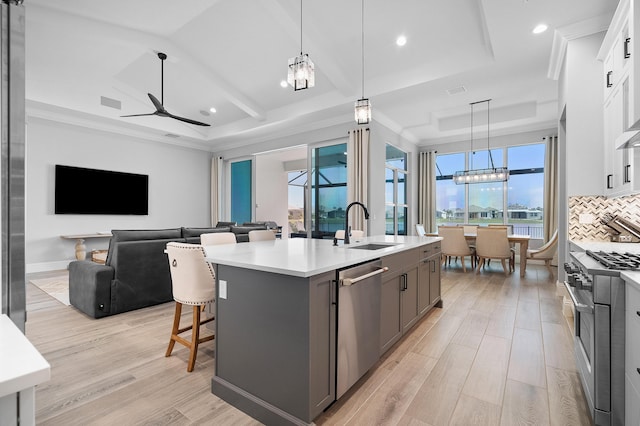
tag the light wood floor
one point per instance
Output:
(499, 352)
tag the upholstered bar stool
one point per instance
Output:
(192, 283)
(216, 238)
(261, 235)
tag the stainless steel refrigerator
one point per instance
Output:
(12, 160)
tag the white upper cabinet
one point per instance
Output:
(621, 77)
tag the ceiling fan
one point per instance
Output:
(160, 109)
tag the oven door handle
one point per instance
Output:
(580, 307)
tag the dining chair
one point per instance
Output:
(192, 283)
(454, 244)
(261, 235)
(509, 228)
(420, 230)
(546, 252)
(492, 243)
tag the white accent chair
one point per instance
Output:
(420, 230)
(261, 235)
(492, 243)
(192, 283)
(216, 238)
(455, 245)
(546, 252)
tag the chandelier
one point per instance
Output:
(491, 173)
(301, 73)
(363, 105)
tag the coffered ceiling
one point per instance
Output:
(85, 56)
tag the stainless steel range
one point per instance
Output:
(598, 296)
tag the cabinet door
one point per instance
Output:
(434, 278)
(390, 330)
(424, 273)
(409, 310)
(322, 362)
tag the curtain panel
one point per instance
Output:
(358, 175)
(427, 190)
(550, 215)
(216, 191)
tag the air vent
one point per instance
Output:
(111, 103)
(171, 135)
(456, 90)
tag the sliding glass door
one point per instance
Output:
(328, 189)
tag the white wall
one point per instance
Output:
(272, 191)
(179, 187)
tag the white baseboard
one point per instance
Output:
(46, 266)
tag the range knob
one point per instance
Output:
(570, 268)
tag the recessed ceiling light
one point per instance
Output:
(540, 28)
(213, 110)
(401, 40)
(283, 83)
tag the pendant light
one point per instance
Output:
(301, 69)
(363, 105)
(491, 173)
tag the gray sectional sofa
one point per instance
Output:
(136, 272)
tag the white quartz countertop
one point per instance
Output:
(305, 257)
(21, 365)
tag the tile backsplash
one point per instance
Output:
(626, 207)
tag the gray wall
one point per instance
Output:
(179, 187)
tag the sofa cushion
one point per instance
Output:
(196, 232)
(222, 224)
(119, 235)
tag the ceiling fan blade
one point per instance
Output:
(156, 103)
(188, 120)
(138, 115)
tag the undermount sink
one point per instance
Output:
(373, 246)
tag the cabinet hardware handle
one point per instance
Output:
(609, 186)
(626, 173)
(609, 83)
(406, 279)
(433, 266)
(627, 53)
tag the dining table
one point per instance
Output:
(521, 239)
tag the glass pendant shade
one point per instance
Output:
(363, 111)
(301, 73)
(499, 174)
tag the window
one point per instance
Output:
(396, 206)
(241, 176)
(328, 189)
(521, 196)
(297, 189)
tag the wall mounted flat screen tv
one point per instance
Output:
(90, 191)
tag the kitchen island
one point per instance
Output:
(277, 316)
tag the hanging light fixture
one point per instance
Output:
(363, 105)
(491, 173)
(301, 68)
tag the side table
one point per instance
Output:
(81, 249)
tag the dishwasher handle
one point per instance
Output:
(350, 281)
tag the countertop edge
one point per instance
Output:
(403, 244)
(22, 365)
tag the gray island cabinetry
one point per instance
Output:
(277, 317)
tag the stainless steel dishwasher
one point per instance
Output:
(358, 346)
